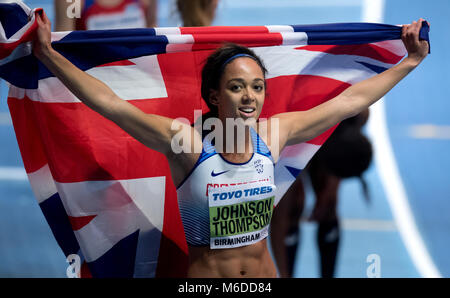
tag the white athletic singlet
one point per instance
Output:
(224, 204)
(127, 14)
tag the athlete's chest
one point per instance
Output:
(218, 172)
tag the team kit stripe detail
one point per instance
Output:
(192, 193)
(261, 147)
(196, 224)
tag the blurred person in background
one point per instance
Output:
(197, 13)
(347, 153)
(105, 14)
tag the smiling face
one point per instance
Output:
(241, 91)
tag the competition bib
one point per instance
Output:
(240, 215)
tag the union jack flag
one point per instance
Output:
(107, 197)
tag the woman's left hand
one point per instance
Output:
(417, 49)
(43, 42)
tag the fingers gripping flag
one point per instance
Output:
(107, 197)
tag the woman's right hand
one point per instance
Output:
(42, 43)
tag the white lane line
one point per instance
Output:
(429, 131)
(389, 174)
(395, 192)
(362, 224)
(13, 174)
(368, 225)
(5, 118)
(372, 11)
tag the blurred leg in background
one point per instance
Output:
(284, 228)
(347, 153)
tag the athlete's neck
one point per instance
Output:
(237, 141)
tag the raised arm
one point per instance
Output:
(301, 126)
(154, 131)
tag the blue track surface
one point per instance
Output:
(423, 99)
(28, 249)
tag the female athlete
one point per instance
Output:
(225, 238)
